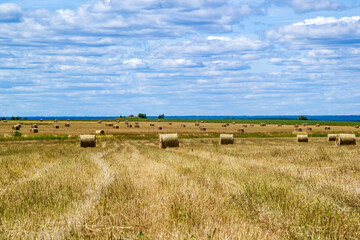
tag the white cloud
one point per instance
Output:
(135, 63)
(327, 30)
(10, 12)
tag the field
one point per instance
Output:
(127, 188)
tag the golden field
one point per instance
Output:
(258, 188)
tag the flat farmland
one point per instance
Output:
(89, 127)
(126, 188)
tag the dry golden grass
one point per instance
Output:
(89, 127)
(131, 189)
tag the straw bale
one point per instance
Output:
(168, 140)
(100, 132)
(302, 138)
(87, 141)
(226, 139)
(345, 139)
(331, 137)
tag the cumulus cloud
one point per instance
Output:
(327, 30)
(10, 12)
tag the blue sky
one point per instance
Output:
(179, 57)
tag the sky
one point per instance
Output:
(179, 57)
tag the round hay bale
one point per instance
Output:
(331, 137)
(309, 129)
(21, 123)
(159, 127)
(170, 123)
(345, 139)
(327, 128)
(117, 121)
(168, 140)
(226, 139)
(197, 124)
(137, 126)
(129, 125)
(224, 125)
(126, 122)
(201, 121)
(34, 126)
(241, 130)
(302, 138)
(152, 125)
(67, 124)
(183, 125)
(116, 126)
(87, 141)
(99, 121)
(34, 130)
(357, 126)
(41, 120)
(244, 125)
(158, 120)
(317, 125)
(55, 120)
(304, 124)
(279, 125)
(251, 125)
(100, 132)
(234, 123)
(56, 126)
(262, 124)
(202, 128)
(296, 126)
(228, 124)
(5, 121)
(16, 127)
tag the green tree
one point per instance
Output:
(12, 118)
(301, 117)
(142, 115)
(161, 116)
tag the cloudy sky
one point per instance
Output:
(179, 57)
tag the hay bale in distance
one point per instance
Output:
(152, 125)
(55, 120)
(116, 126)
(137, 126)
(234, 123)
(251, 125)
(100, 132)
(56, 126)
(296, 126)
(224, 125)
(183, 125)
(244, 125)
(241, 130)
(5, 121)
(331, 137)
(309, 129)
(302, 138)
(226, 139)
(345, 139)
(159, 127)
(202, 128)
(279, 125)
(357, 126)
(99, 121)
(67, 124)
(317, 125)
(34, 126)
(41, 120)
(327, 128)
(168, 140)
(262, 124)
(170, 123)
(34, 130)
(197, 124)
(88, 141)
(16, 127)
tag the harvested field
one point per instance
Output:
(254, 189)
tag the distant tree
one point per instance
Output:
(131, 116)
(161, 116)
(12, 118)
(18, 118)
(142, 115)
(120, 116)
(25, 118)
(4, 118)
(301, 117)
